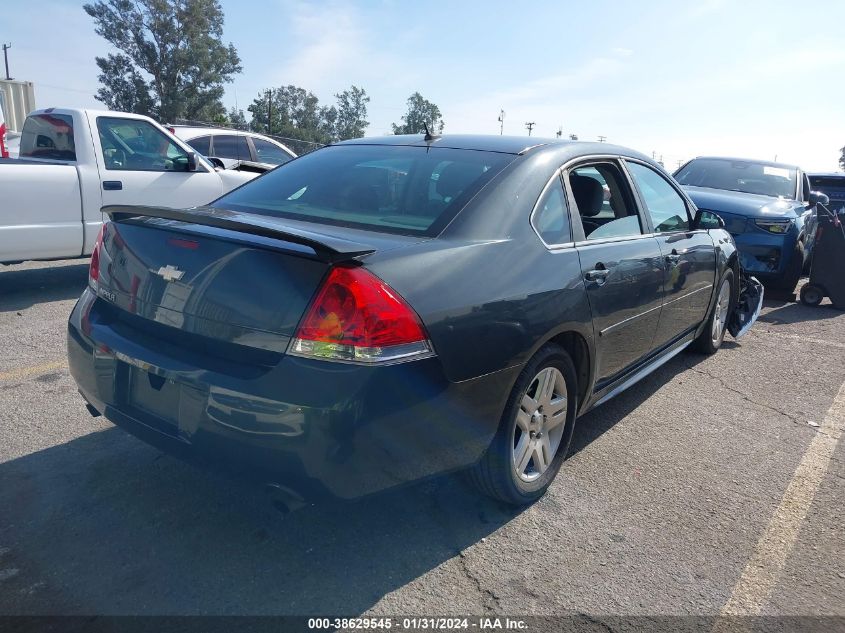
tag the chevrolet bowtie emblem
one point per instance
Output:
(170, 273)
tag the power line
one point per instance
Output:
(530, 125)
(602, 139)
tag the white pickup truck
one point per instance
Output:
(73, 162)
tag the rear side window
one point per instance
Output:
(550, 217)
(48, 136)
(201, 144)
(604, 202)
(827, 182)
(397, 189)
(231, 146)
(267, 152)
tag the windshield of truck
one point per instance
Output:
(766, 179)
(48, 136)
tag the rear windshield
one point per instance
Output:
(740, 175)
(409, 190)
(48, 136)
(827, 182)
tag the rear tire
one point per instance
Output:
(710, 339)
(811, 295)
(532, 441)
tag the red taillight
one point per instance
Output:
(359, 318)
(94, 267)
(3, 152)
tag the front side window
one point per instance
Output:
(666, 207)
(396, 189)
(603, 202)
(764, 179)
(231, 146)
(135, 145)
(267, 152)
(48, 136)
(550, 217)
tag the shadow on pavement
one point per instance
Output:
(105, 524)
(783, 314)
(21, 289)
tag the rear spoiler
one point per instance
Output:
(328, 248)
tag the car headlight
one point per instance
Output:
(774, 226)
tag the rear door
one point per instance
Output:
(689, 256)
(621, 265)
(141, 164)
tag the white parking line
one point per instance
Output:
(765, 566)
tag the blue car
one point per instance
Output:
(764, 205)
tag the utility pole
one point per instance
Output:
(501, 121)
(530, 125)
(6, 48)
(269, 111)
(559, 132)
(602, 139)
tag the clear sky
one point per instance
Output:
(745, 78)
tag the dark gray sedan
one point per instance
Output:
(386, 309)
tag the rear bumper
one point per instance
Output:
(318, 428)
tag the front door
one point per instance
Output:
(689, 256)
(621, 266)
(142, 165)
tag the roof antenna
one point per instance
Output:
(428, 135)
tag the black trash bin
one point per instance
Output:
(827, 266)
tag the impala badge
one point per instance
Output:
(170, 273)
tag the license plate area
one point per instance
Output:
(155, 399)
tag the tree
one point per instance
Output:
(420, 111)
(842, 158)
(236, 119)
(351, 113)
(171, 64)
(296, 113)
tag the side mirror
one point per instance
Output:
(192, 161)
(708, 220)
(218, 164)
(817, 197)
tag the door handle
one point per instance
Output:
(673, 258)
(112, 185)
(598, 274)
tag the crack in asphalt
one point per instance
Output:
(795, 419)
(484, 591)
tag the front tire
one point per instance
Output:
(710, 339)
(794, 270)
(534, 433)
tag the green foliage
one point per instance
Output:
(842, 158)
(236, 119)
(420, 112)
(293, 112)
(172, 63)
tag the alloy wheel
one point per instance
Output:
(720, 314)
(540, 423)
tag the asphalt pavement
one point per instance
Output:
(713, 486)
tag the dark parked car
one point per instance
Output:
(764, 206)
(386, 309)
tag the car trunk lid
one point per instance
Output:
(228, 276)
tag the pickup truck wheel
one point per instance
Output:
(811, 295)
(534, 433)
(710, 339)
